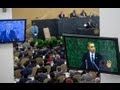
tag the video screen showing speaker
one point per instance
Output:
(12, 30)
(92, 53)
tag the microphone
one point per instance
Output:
(86, 64)
(96, 65)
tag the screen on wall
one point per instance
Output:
(12, 30)
(92, 53)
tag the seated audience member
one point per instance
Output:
(52, 78)
(27, 70)
(24, 77)
(58, 60)
(18, 67)
(42, 76)
(83, 13)
(73, 14)
(68, 80)
(32, 63)
(85, 78)
(97, 79)
(26, 43)
(49, 59)
(61, 78)
(61, 15)
(75, 80)
(33, 81)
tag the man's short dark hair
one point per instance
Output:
(90, 43)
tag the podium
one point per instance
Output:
(110, 78)
(87, 31)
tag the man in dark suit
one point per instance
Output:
(94, 61)
(73, 14)
(91, 59)
(61, 15)
(90, 24)
(8, 35)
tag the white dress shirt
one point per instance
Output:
(91, 56)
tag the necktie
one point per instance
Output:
(94, 62)
(7, 35)
(92, 58)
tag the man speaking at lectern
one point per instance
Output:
(8, 35)
(91, 59)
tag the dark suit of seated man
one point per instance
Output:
(8, 35)
(91, 59)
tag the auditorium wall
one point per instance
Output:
(110, 27)
(47, 13)
(6, 54)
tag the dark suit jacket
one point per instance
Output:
(90, 25)
(86, 61)
(72, 15)
(60, 16)
(12, 36)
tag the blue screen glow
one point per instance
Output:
(12, 30)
